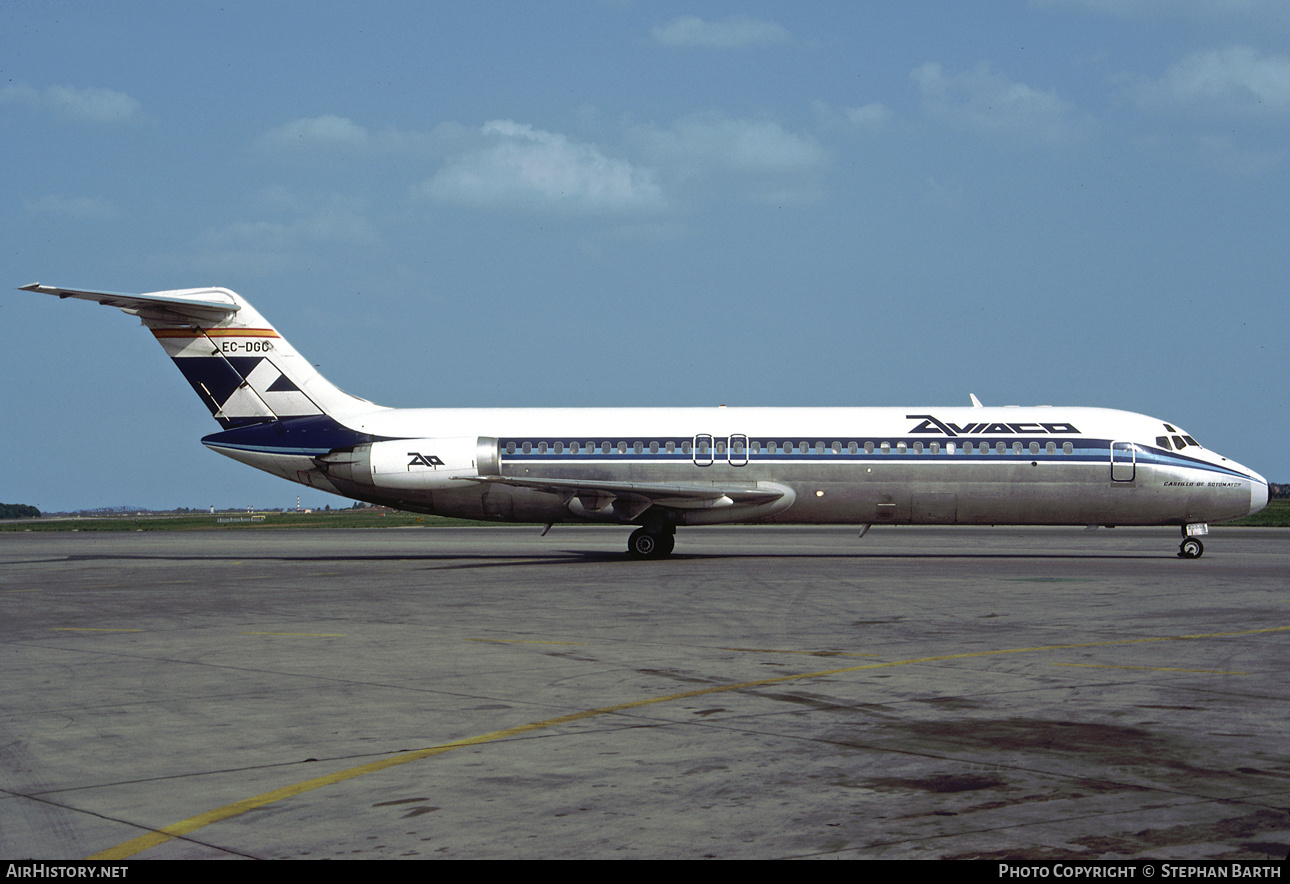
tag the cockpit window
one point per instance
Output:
(1178, 441)
(1191, 441)
(1163, 442)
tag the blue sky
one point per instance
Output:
(1068, 202)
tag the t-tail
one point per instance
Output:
(236, 362)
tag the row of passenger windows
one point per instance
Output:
(743, 449)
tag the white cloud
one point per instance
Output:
(989, 103)
(326, 130)
(711, 141)
(873, 117)
(520, 166)
(1236, 78)
(333, 220)
(84, 105)
(731, 33)
(329, 133)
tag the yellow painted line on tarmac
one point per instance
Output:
(303, 634)
(237, 808)
(1153, 668)
(90, 629)
(11, 591)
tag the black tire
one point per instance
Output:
(1191, 548)
(646, 544)
(643, 544)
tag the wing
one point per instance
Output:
(203, 305)
(626, 500)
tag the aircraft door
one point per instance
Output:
(1123, 461)
(703, 450)
(737, 450)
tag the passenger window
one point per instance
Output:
(685, 447)
(1067, 448)
(803, 447)
(819, 447)
(837, 447)
(559, 448)
(918, 447)
(527, 447)
(670, 447)
(949, 447)
(637, 447)
(935, 448)
(1050, 448)
(604, 447)
(868, 448)
(967, 447)
(541, 448)
(852, 448)
(885, 448)
(1001, 447)
(1034, 447)
(653, 448)
(573, 447)
(901, 447)
(510, 447)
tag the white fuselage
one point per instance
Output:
(1032, 466)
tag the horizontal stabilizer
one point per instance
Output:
(203, 305)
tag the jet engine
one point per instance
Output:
(412, 465)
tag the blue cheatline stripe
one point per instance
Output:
(316, 435)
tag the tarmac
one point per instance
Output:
(767, 692)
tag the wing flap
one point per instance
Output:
(203, 305)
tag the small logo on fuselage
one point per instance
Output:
(424, 460)
(931, 424)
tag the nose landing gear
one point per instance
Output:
(1191, 547)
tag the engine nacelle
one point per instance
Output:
(431, 464)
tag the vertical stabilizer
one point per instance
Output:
(236, 362)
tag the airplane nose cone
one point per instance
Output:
(1258, 493)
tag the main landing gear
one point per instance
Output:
(651, 543)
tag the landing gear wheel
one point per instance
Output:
(646, 544)
(1191, 548)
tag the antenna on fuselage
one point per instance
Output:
(976, 403)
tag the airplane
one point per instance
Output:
(660, 468)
